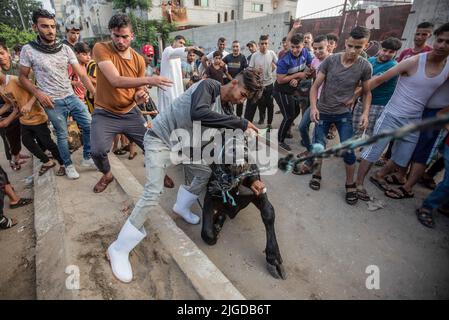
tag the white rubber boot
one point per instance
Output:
(118, 251)
(184, 201)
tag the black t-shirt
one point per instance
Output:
(215, 74)
(235, 64)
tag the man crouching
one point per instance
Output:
(196, 104)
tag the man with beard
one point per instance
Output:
(49, 60)
(121, 85)
(203, 102)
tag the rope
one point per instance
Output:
(287, 163)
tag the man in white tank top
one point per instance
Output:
(420, 77)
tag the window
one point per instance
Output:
(257, 7)
(232, 15)
(219, 18)
(226, 16)
(201, 3)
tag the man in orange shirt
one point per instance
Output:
(121, 85)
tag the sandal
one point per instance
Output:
(393, 179)
(102, 184)
(22, 202)
(381, 184)
(425, 217)
(119, 152)
(315, 183)
(6, 223)
(132, 156)
(15, 166)
(60, 172)
(351, 196)
(125, 148)
(362, 194)
(305, 153)
(399, 193)
(44, 169)
(303, 169)
(428, 181)
(24, 156)
(168, 182)
(380, 162)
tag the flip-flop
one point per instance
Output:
(22, 202)
(6, 223)
(425, 217)
(44, 169)
(399, 193)
(363, 195)
(382, 186)
(119, 152)
(393, 179)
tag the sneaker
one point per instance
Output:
(71, 172)
(89, 163)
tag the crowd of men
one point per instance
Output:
(105, 90)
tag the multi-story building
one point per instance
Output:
(93, 15)
(195, 13)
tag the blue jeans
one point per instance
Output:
(304, 127)
(73, 106)
(441, 193)
(343, 122)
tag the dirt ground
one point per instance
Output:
(92, 222)
(17, 250)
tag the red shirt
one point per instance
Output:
(281, 54)
(79, 91)
(447, 140)
(407, 53)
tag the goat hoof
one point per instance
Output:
(277, 270)
(209, 240)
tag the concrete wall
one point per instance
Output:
(275, 25)
(208, 15)
(436, 11)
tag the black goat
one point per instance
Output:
(227, 195)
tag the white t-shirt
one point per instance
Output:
(50, 69)
(171, 68)
(264, 61)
